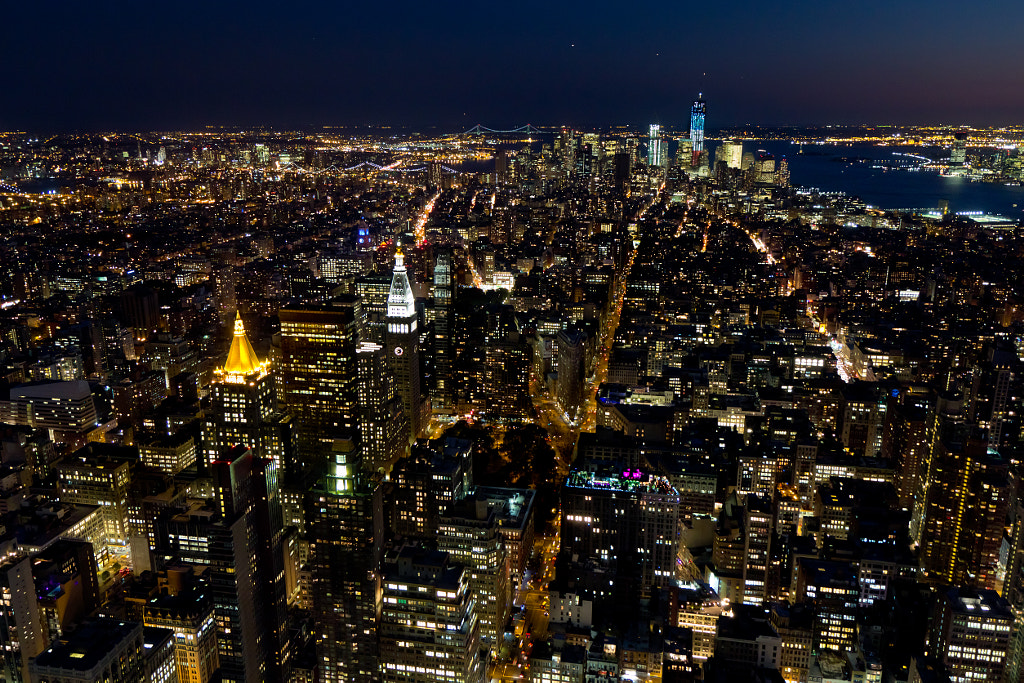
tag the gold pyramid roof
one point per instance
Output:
(242, 358)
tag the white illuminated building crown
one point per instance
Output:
(401, 302)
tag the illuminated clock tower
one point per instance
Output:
(402, 340)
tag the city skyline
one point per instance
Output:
(104, 69)
(359, 405)
(512, 343)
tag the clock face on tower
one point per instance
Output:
(398, 351)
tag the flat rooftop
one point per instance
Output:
(88, 645)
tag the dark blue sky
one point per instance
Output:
(160, 65)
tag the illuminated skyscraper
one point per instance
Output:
(758, 537)
(684, 153)
(946, 422)
(654, 150)
(697, 127)
(345, 553)
(243, 407)
(764, 168)
(500, 167)
(382, 429)
(506, 377)
(965, 509)
(429, 628)
(970, 633)
(24, 631)
(625, 524)
(905, 444)
(402, 340)
(427, 482)
(730, 152)
(834, 589)
(442, 330)
(958, 153)
(469, 531)
(237, 536)
(318, 363)
(565, 149)
(782, 173)
(571, 382)
(190, 614)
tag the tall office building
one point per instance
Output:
(22, 629)
(989, 392)
(442, 331)
(782, 173)
(946, 422)
(904, 446)
(243, 407)
(565, 150)
(429, 629)
(684, 152)
(506, 377)
(731, 153)
(965, 510)
(764, 167)
(318, 363)
(190, 614)
(383, 433)
(347, 516)
(970, 634)
(427, 482)
(245, 489)
(373, 290)
(697, 112)
(621, 163)
(159, 662)
(66, 575)
(239, 538)
(834, 589)
(100, 474)
(795, 626)
(515, 520)
(958, 152)
(403, 341)
(571, 383)
(758, 536)
(1013, 590)
(626, 523)
(469, 531)
(66, 409)
(500, 166)
(655, 153)
(728, 554)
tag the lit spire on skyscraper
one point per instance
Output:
(401, 302)
(242, 360)
(697, 126)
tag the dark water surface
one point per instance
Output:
(819, 166)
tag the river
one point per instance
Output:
(819, 166)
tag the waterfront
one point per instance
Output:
(820, 167)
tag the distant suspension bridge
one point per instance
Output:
(393, 167)
(483, 130)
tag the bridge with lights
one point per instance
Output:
(395, 167)
(484, 130)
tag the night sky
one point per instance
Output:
(158, 65)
